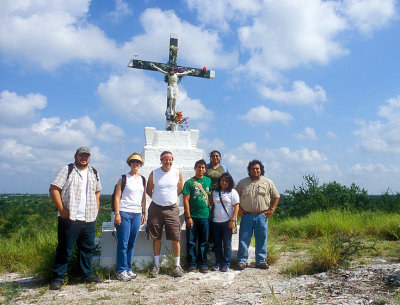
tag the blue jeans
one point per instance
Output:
(198, 234)
(70, 232)
(127, 232)
(223, 244)
(259, 225)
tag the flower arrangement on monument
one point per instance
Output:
(181, 121)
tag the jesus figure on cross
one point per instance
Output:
(173, 90)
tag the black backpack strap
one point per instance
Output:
(95, 172)
(70, 168)
(144, 181)
(123, 183)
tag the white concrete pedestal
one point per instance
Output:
(183, 145)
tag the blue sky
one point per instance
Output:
(308, 87)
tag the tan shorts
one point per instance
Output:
(160, 216)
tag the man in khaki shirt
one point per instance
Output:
(258, 201)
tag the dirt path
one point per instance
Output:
(365, 284)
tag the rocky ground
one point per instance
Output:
(375, 283)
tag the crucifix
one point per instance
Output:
(172, 72)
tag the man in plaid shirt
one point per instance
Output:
(75, 192)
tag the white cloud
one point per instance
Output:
(287, 34)
(301, 94)
(331, 134)
(110, 133)
(75, 132)
(18, 110)
(285, 166)
(139, 97)
(262, 114)
(10, 149)
(368, 15)
(197, 47)
(121, 11)
(308, 134)
(382, 135)
(49, 33)
(371, 168)
(209, 145)
(220, 13)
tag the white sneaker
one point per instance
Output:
(131, 274)
(123, 276)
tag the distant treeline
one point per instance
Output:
(311, 197)
(26, 215)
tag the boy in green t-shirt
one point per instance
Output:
(195, 201)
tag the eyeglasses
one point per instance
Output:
(135, 161)
(215, 156)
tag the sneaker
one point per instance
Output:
(56, 285)
(191, 269)
(204, 270)
(224, 269)
(215, 268)
(131, 274)
(178, 271)
(123, 276)
(240, 266)
(93, 279)
(263, 265)
(155, 271)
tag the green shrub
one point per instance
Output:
(311, 196)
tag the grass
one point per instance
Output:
(29, 255)
(381, 225)
(315, 236)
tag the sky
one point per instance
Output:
(307, 87)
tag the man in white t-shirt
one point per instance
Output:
(164, 186)
(75, 192)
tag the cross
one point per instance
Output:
(171, 66)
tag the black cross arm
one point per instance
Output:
(145, 65)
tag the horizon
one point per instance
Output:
(305, 87)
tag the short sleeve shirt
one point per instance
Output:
(197, 202)
(214, 174)
(256, 196)
(230, 199)
(71, 190)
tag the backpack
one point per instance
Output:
(71, 167)
(123, 184)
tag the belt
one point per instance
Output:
(254, 213)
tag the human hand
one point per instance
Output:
(143, 219)
(189, 223)
(64, 213)
(240, 212)
(269, 213)
(231, 224)
(117, 219)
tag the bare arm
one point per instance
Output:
(272, 208)
(234, 215)
(189, 220)
(143, 207)
(158, 69)
(117, 201)
(185, 73)
(98, 200)
(180, 183)
(55, 194)
(150, 185)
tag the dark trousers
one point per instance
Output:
(223, 244)
(198, 234)
(70, 232)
